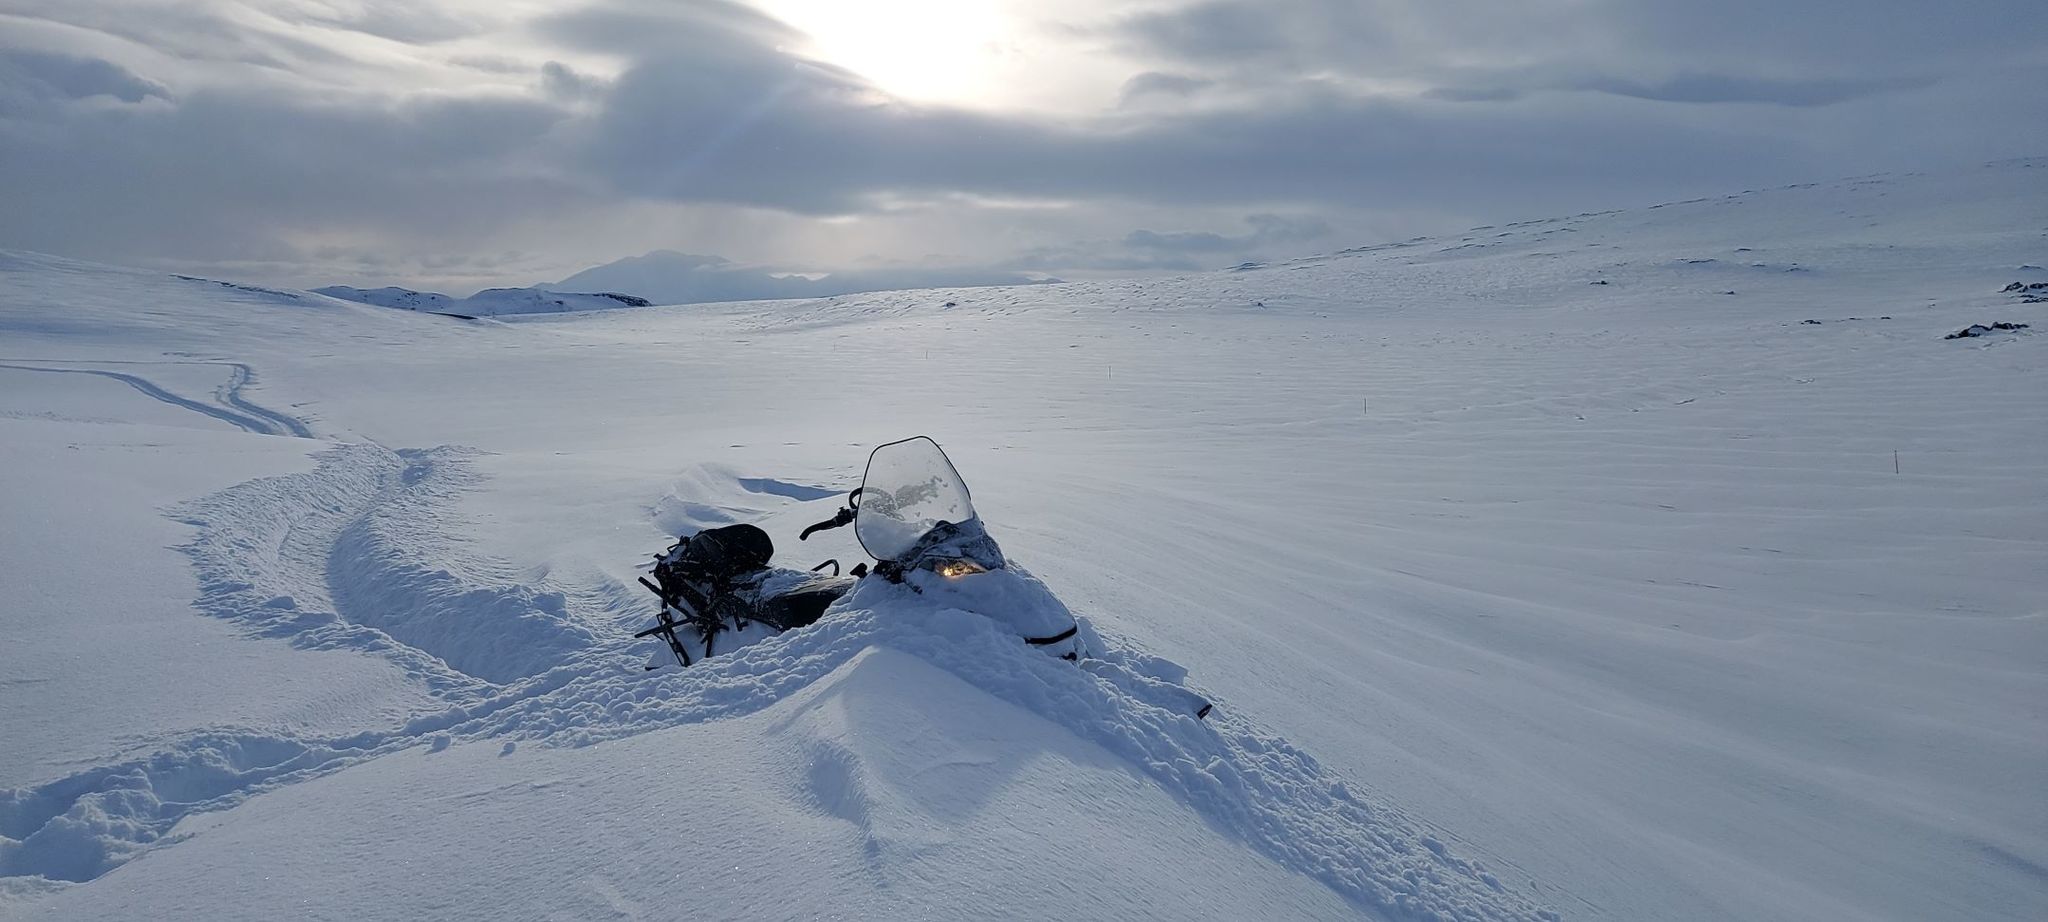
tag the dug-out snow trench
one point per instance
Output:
(344, 557)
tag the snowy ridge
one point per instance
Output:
(491, 302)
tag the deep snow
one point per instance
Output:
(1571, 550)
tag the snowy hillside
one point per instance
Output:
(490, 302)
(393, 296)
(1657, 564)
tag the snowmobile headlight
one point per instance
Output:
(954, 569)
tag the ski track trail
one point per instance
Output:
(356, 555)
(231, 407)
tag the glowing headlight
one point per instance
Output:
(953, 569)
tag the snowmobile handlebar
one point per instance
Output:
(844, 516)
(840, 520)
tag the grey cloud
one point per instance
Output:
(199, 30)
(63, 76)
(716, 113)
(1719, 88)
(410, 22)
(1180, 251)
(561, 82)
(746, 126)
(1155, 83)
(223, 176)
(1104, 256)
(658, 27)
(711, 110)
(1701, 88)
(1807, 54)
(1267, 230)
(1472, 94)
(1211, 31)
(1183, 242)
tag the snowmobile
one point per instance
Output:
(913, 514)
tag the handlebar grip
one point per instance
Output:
(844, 516)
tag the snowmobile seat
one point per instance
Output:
(725, 553)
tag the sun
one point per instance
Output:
(931, 51)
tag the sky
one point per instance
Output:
(458, 144)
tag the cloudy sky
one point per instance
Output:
(463, 143)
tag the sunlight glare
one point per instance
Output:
(934, 51)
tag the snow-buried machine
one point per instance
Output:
(720, 591)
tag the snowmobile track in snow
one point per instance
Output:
(343, 557)
(232, 408)
(333, 559)
(353, 556)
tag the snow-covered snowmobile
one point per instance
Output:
(913, 514)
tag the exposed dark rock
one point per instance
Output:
(1981, 329)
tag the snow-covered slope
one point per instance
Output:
(393, 296)
(1660, 564)
(490, 302)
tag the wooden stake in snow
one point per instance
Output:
(1895, 460)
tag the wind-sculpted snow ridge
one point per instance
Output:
(1257, 787)
(341, 557)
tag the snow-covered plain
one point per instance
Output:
(1658, 564)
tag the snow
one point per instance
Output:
(1518, 593)
(490, 302)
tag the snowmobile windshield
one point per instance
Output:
(910, 488)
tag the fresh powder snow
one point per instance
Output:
(1668, 563)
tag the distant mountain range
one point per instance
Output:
(490, 302)
(669, 277)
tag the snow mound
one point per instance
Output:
(1259, 789)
